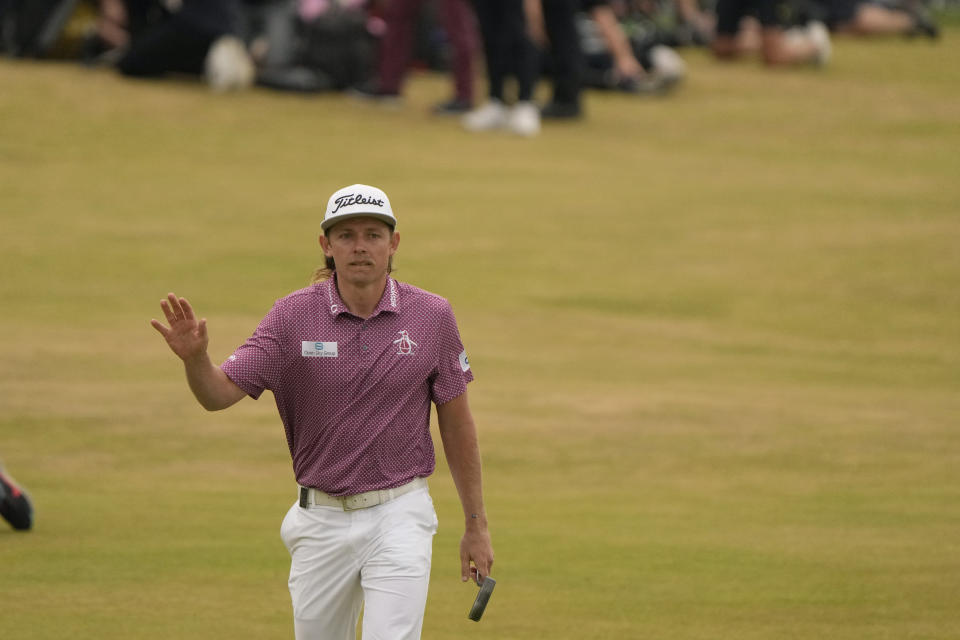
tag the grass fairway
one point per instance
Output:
(716, 340)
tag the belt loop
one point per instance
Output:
(304, 497)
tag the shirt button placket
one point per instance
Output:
(364, 348)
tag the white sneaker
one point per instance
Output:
(820, 36)
(489, 116)
(667, 63)
(228, 66)
(524, 119)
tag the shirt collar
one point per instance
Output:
(389, 301)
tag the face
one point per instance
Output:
(362, 248)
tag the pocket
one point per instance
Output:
(428, 513)
(288, 526)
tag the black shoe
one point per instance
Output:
(452, 107)
(649, 84)
(561, 111)
(299, 79)
(372, 92)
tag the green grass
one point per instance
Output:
(716, 339)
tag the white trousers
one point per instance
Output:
(377, 557)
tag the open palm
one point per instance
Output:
(186, 336)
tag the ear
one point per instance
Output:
(394, 242)
(324, 244)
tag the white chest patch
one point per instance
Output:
(317, 349)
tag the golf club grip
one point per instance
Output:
(476, 611)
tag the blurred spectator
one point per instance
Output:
(185, 36)
(333, 46)
(641, 65)
(675, 23)
(559, 20)
(15, 505)
(699, 25)
(809, 44)
(269, 29)
(508, 51)
(867, 18)
(459, 24)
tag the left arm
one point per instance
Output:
(459, 435)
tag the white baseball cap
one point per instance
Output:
(358, 200)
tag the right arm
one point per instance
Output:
(187, 338)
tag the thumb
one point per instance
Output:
(202, 329)
(464, 567)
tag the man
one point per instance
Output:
(354, 361)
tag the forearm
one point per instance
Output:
(210, 385)
(460, 444)
(463, 457)
(613, 37)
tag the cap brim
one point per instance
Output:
(329, 222)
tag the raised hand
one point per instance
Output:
(186, 336)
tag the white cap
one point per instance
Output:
(358, 200)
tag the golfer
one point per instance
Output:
(354, 361)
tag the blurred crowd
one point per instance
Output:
(367, 47)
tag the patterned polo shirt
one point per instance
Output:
(354, 394)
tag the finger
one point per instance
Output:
(175, 306)
(187, 309)
(485, 567)
(156, 324)
(168, 312)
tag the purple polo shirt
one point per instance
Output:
(354, 394)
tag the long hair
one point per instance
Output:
(325, 272)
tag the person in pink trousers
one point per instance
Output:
(459, 23)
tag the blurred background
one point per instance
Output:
(708, 283)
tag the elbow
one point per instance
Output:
(210, 406)
(213, 404)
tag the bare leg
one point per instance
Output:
(877, 20)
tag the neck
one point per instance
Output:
(361, 298)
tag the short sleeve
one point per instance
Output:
(258, 363)
(453, 367)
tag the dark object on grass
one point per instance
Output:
(15, 506)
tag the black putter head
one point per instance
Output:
(483, 597)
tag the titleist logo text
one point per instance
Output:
(351, 198)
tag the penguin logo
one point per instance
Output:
(404, 344)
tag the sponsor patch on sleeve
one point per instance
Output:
(317, 349)
(464, 363)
